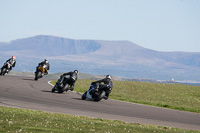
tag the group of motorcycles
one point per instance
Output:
(95, 94)
(40, 71)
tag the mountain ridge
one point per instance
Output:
(120, 58)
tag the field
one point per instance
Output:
(173, 96)
(14, 120)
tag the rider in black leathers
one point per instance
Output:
(107, 81)
(73, 76)
(11, 63)
(45, 62)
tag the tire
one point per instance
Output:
(36, 78)
(99, 97)
(65, 88)
(84, 96)
(60, 91)
(38, 75)
(3, 71)
(53, 89)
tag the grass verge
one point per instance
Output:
(14, 120)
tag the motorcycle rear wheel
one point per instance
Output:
(60, 91)
(3, 71)
(100, 96)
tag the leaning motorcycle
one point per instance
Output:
(62, 85)
(40, 72)
(5, 69)
(96, 94)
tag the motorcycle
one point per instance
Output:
(5, 69)
(40, 72)
(96, 94)
(63, 84)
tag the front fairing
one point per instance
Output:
(88, 95)
(60, 82)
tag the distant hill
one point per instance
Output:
(119, 58)
(49, 46)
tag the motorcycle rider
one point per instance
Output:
(10, 63)
(107, 81)
(73, 76)
(45, 62)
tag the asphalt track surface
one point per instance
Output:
(25, 92)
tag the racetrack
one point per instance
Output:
(25, 92)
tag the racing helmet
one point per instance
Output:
(46, 60)
(13, 57)
(108, 77)
(76, 71)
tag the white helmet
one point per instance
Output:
(46, 60)
(76, 71)
(108, 77)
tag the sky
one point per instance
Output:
(162, 25)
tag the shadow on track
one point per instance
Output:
(53, 92)
(77, 99)
(29, 79)
(46, 91)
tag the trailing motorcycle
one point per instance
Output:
(5, 69)
(96, 93)
(62, 84)
(40, 72)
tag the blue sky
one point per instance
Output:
(163, 25)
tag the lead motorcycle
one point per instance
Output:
(62, 84)
(5, 69)
(40, 72)
(96, 93)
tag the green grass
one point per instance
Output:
(14, 120)
(173, 96)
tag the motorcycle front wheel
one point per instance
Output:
(38, 75)
(84, 96)
(53, 89)
(3, 71)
